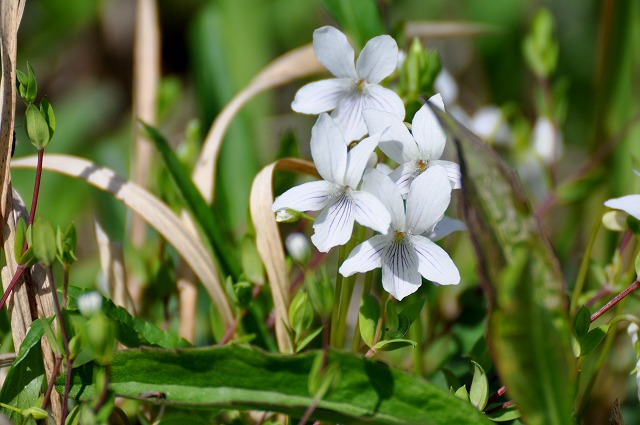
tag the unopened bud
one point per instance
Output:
(287, 215)
(298, 247)
(89, 303)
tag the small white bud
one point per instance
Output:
(287, 216)
(298, 247)
(546, 140)
(89, 303)
(615, 221)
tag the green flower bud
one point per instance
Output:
(44, 241)
(27, 84)
(320, 291)
(101, 337)
(287, 215)
(36, 127)
(66, 245)
(300, 313)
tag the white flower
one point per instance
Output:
(336, 197)
(546, 140)
(298, 246)
(356, 87)
(89, 303)
(413, 152)
(404, 254)
(629, 204)
(490, 124)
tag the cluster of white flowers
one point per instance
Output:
(405, 205)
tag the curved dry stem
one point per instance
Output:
(269, 242)
(154, 211)
(295, 64)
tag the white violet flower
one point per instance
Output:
(336, 197)
(404, 254)
(356, 87)
(414, 151)
(629, 204)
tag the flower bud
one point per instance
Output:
(298, 247)
(300, 313)
(287, 215)
(320, 291)
(89, 303)
(615, 221)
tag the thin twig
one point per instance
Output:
(615, 300)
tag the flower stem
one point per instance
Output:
(615, 300)
(584, 268)
(14, 280)
(366, 289)
(335, 314)
(36, 188)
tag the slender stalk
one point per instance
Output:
(65, 343)
(584, 268)
(615, 300)
(335, 314)
(497, 394)
(65, 284)
(366, 289)
(498, 408)
(105, 391)
(36, 188)
(378, 333)
(52, 380)
(14, 280)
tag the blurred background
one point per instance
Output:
(81, 51)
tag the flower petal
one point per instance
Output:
(329, 150)
(427, 131)
(400, 276)
(312, 196)
(453, 172)
(334, 224)
(434, 262)
(322, 96)
(378, 59)
(403, 176)
(334, 52)
(370, 212)
(357, 160)
(428, 199)
(382, 99)
(383, 188)
(396, 141)
(445, 227)
(365, 257)
(629, 204)
(348, 116)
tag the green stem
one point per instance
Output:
(366, 289)
(335, 314)
(584, 268)
(416, 331)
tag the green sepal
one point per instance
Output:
(49, 116)
(540, 48)
(44, 241)
(66, 245)
(300, 313)
(27, 84)
(25, 258)
(36, 127)
(368, 318)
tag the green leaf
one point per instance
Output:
(49, 116)
(582, 321)
(27, 84)
(479, 391)
(368, 318)
(402, 327)
(462, 393)
(44, 241)
(66, 244)
(394, 344)
(36, 127)
(132, 331)
(307, 339)
(529, 328)
(300, 313)
(195, 203)
(360, 18)
(249, 379)
(508, 413)
(591, 340)
(25, 378)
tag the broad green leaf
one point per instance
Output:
(479, 391)
(22, 386)
(368, 318)
(591, 340)
(529, 328)
(508, 413)
(195, 202)
(132, 331)
(360, 18)
(582, 321)
(249, 379)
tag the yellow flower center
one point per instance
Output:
(398, 236)
(422, 165)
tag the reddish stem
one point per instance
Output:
(14, 280)
(36, 188)
(497, 394)
(52, 380)
(615, 300)
(502, 406)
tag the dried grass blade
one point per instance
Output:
(154, 211)
(295, 64)
(269, 241)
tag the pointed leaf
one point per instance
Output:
(368, 318)
(582, 321)
(479, 392)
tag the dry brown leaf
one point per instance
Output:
(154, 211)
(269, 241)
(439, 29)
(295, 64)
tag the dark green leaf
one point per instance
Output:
(394, 344)
(195, 202)
(508, 413)
(582, 321)
(591, 340)
(132, 332)
(529, 328)
(248, 379)
(24, 380)
(360, 18)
